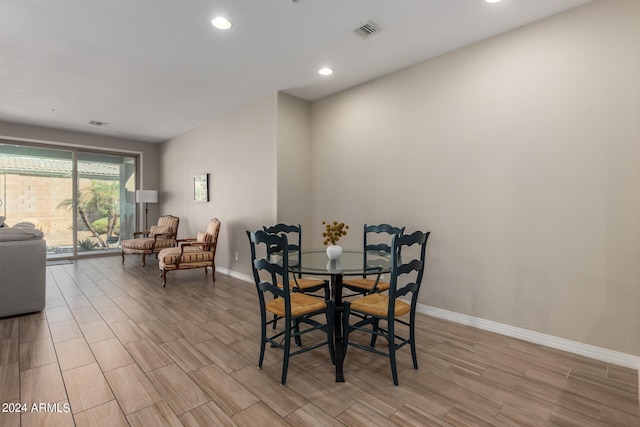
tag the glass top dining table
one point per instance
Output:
(350, 263)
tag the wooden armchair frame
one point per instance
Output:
(199, 252)
(145, 243)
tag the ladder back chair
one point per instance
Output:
(295, 308)
(365, 285)
(294, 246)
(370, 310)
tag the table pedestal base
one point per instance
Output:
(336, 291)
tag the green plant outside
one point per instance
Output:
(87, 245)
(98, 202)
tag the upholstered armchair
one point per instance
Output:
(198, 252)
(153, 240)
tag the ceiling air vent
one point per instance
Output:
(366, 30)
(97, 123)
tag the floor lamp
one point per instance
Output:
(146, 196)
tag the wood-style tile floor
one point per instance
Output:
(114, 348)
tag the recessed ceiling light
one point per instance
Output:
(325, 71)
(493, 1)
(221, 23)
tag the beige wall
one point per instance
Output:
(238, 152)
(294, 162)
(522, 155)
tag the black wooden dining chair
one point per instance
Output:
(295, 308)
(368, 311)
(372, 283)
(294, 247)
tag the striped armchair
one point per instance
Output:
(198, 252)
(153, 240)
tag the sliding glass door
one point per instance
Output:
(104, 213)
(83, 201)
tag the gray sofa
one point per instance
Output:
(23, 266)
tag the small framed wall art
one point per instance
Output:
(201, 187)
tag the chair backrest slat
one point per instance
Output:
(294, 241)
(274, 264)
(381, 229)
(400, 268)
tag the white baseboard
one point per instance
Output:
(586, 350)
(235, 274)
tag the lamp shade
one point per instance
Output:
(146, 196)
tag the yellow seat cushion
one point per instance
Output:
(378, 305)
(301, 304)
(304, 284)
(145, 243)
(191, 255)
(366, 284)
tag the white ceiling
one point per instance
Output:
(153, 69)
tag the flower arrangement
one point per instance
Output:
(333, 232)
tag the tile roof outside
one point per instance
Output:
(53, 167)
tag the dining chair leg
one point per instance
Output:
(330, 337)
(392, 352)
(412, 337)
(394, 371)
(376, 328)
(296, 332)
(263, 340)
(287, 351)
